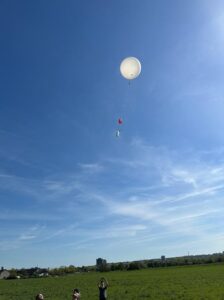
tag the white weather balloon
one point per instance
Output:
(130, 68)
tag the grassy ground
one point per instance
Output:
(189, 282)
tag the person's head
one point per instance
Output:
(102, 282)
(39, 297)
(76, 291)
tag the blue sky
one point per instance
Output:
(70, 191)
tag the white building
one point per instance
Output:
(4, 274)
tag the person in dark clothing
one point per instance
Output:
(103, 285)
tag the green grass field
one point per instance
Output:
(188, 282)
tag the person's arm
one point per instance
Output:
(106, 282)
(76, 295)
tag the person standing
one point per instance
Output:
(76, 294)
(103, 285)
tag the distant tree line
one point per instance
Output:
(46, 272)
(169, 262)
(121, 266)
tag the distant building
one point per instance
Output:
(163, 258)
(100, 263)
(4, 274)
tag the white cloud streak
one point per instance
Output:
(164, 192)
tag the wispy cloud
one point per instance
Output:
(165, 196)
(91, 168)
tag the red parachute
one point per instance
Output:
(120, 121)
